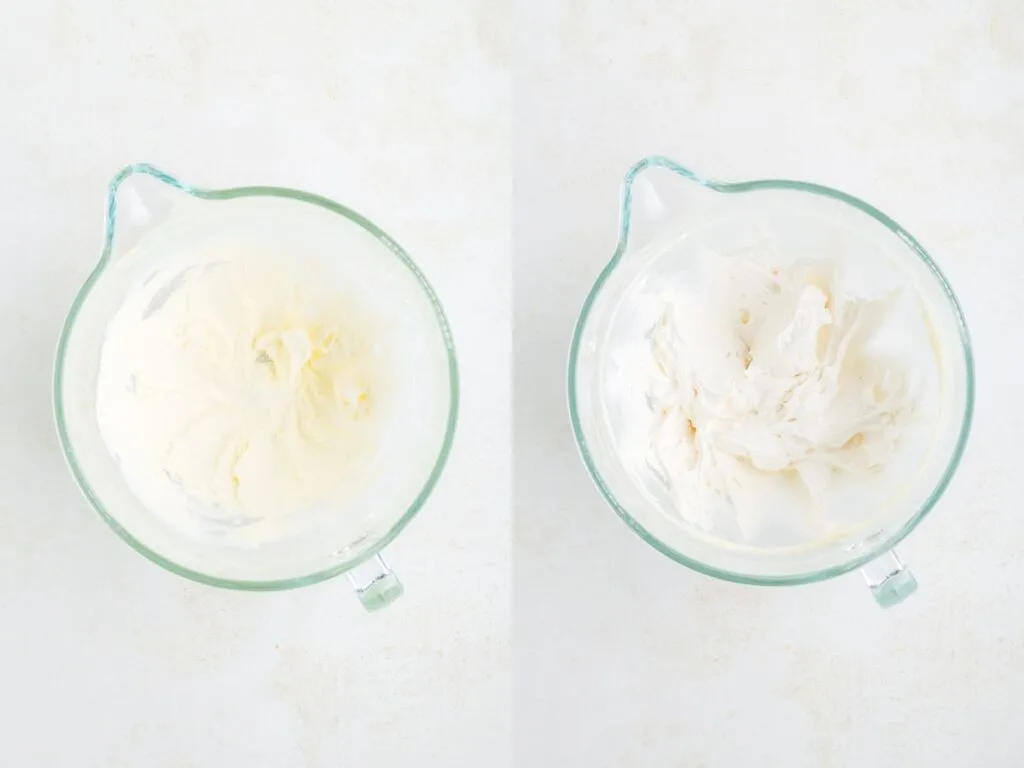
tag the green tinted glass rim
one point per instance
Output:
(657, 161)
(231, 194)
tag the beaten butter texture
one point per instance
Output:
(243, 386)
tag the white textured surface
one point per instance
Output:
(624, 658)
(400, 112)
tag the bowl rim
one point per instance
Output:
(59, 380)
(625, 215)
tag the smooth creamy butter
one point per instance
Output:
(780, 398)
(244, 387)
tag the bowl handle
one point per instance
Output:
(376, 585)
(890, 581)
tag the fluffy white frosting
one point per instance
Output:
(769, 386)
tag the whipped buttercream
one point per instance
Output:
(773, 388)
(242, 386)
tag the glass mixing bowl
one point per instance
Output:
(151, 216)
(669, 214)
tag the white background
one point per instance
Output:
(622, 657)
(402, 111)
(398, 111)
